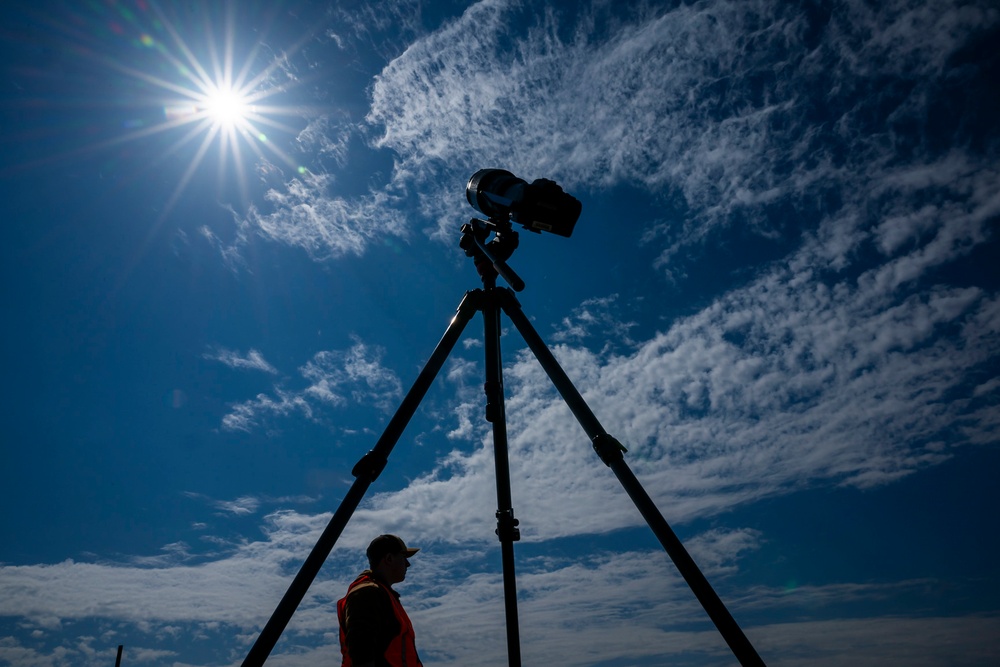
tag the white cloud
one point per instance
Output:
(252, 360)
(359, 367)
(241, 506)
(601, 317)
(248, 415)
(328, 137)
(335, 378)
(720, 102)
(385, 26)
(307, 213)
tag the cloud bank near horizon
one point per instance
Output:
(202, 603)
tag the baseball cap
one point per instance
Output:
(387, 544)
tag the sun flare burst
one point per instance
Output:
(210, 95)
(227, 107)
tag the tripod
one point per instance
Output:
(490, 259)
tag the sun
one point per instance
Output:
(227, 108)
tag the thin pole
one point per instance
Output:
(118, 660)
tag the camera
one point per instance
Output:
(540, 206)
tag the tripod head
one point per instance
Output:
(539, 206)
(491, 257)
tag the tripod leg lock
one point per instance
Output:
(507, 526)
(494, 395)
(370, 466)
(608, 448)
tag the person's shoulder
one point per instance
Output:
(366, 587)
(368, 595)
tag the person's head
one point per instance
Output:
(387, 557)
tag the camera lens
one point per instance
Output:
(539, 207)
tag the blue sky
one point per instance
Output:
(781, 296)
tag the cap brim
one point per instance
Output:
(410, 551)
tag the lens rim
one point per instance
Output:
(487, 180)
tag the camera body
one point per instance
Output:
(539, 206)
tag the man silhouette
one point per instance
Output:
(374, 628)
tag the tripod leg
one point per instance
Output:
(365, 471)
(506, 523)
(610, 451)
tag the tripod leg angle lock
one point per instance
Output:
(608, 448)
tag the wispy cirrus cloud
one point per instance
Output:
(736, 109)
(249, 415)
(731, 111)
(307, 213)
(245, 505)
(335, 378)
(357, 372)
(600, 317)
(252, 360)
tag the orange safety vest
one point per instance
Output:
(402, 650)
